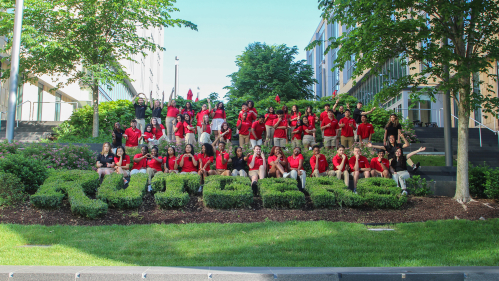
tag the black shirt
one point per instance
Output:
(238, 163)
(140, 110)
(391, 149)
(399, 165)
(357, 115)
(392, 131)
(118, 139)
(156, 112)
(105, 159)
(339, 115)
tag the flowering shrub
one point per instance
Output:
(8, 148)
(68, 157)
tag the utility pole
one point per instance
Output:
(176, 76)
(14, 69)
(447, 117)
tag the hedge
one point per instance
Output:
(171, 190)
(225, 192)
(111, 191)
(11, 189)
(381, 193)
(281, 193)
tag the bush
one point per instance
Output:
(281, 193)
(323, 191)
(227, 192)
(65, 157)
(492, 183)
(418, 186)
(8, 148)
(31, 172)
(380, 193)
(82, 205)
(11, 189)
(111, 191)
(477, 180)
(170, 190)
(50, 194)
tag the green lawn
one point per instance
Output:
(306, 244)
(431, 160)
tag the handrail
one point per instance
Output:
(53, 102)
(17, 107)
(418, 109)
(480, 128)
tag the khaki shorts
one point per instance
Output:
(296, 143)
(361, 174)
(220, 171)
(330, 141)
(253, 173)
(190, 138)
(279, 142)
(243, 139)
(324, 174)
(308, 140)
(179, 140)
(346, 141)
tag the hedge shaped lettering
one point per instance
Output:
(111, 191)
(281, 193)
(171, 190)
(381, 193)
(327, 192)
(224, 192)
(75, 184)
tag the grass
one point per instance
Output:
(431, 160)
(305, 244)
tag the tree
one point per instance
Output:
(415, 31)
(269, 71)
(86, 39)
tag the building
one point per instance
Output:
(36, 101)
(331, 79)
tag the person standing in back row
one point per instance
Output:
(171, 115)
(339, 114)
(157, 107)
(140, 111)
(357, 116)
(347, 126)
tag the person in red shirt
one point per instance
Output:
(294, 117)
(278, 163)
(244, 126)
(256, 131)
(188, 162)
(244, 109)
(225, 135)
(296, 134)
(132, 135)
(312, 118)
(205, 111)
(365, 130)
(158, 130)
(270, 116)
(347, 126)
(341, 165)
(359, 167)
(318, 162)
(257, 167)
(308, 133)
(189, 130)
(280, 126)
(323, 115)
(153, 164)
(329, 127)
(122, 162)
(222, 158)
(287, 117)
(140, 161)
(188, 110)
(171, 114)
(205, 130)
(380, 166)
(170, 164)
(179, 129)
(205, 158)
(252, 112)
(295, 162)
(148, 135)
(218, 118)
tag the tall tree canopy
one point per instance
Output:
(414, 30)
(271, 70)
(85, 40)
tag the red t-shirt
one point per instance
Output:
(148, 135)
(200, 115)
(171, 162)
(219, 114)
(347, 131)
(258, 129)
(189, 111)
(228, 136)
(297, 133)
(172, 111)
(376, 165)
(309, 127)
(365, 130)
(257, 164)
(204, 159)
(294, 163)
(323, 116)
(133, 137)
(293, 123)
(186, 130)
(158, 133)
(219, 164)
(287, 117)
(311, 119)
(272, 159)
(241, 115)
(331, 130)
(124, 162)
(280, 133)
(245, 126)
(270, 119)
(142, 164)
(363, 162)
(188, 165)
(252, 116)
(337, 161)
(180, 131)
(152, 163)
(323, 165)
(207, 129)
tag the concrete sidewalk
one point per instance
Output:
(143, 273)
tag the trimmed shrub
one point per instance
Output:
(89, 180)
(323, 191)
(50, 194)
(418, 186)
(81, 204)
(170, 190)
(224, 192)
(381, 193)
(281, 193)
(111, 191)
(11, 189)
(31, 172)
(492, 183)
(477, 180)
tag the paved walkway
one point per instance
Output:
(143, 273)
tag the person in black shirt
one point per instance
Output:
(392, 128)
(117, 136)
(398, 167)
(140, 111)
(105, 161)
(392, 146)
(157, 107)
(357, 116)
(239, 163)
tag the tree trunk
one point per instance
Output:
(95, 98)
(462, 184)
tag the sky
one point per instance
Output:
(225, 28)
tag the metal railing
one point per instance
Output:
(480, 125)
(421, 109)
(17, 107)
(55, 102)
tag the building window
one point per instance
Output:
(476, 90)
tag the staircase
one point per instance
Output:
(29, 131)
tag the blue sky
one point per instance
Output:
(225, 28)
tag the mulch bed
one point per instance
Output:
(417, 209)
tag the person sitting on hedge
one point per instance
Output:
(295, 163)
(148, 135)
(158, 130)
(170, 164)
(398, 167)
(178, 129)
(278, 163)
(221, 161)
(380, 166)
(359, 167)
(319, 164)
(239, 163)
(188, 162)
(205, 158)
(140, 161)
(122, 162)
(392, 146)
(105, 160)
(153, 164)
(132, 134)
(341, 165)
(257, 167)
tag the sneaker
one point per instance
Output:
(355, 190)
(200, 189)
(415, 167)
(254, 186)
(125, 181)
(286, 175)
(149, 188)
(404, 192)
